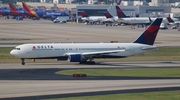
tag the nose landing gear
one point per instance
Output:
(22, 61)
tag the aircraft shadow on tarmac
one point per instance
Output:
(49, 74)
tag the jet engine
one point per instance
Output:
(76, 58)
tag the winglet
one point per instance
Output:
(149, 35)
(120, 13)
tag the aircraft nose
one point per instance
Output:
(12, 52)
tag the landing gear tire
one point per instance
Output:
(23, 63)
(85, 62)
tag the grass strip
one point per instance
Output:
(139, 72)
(165, 95)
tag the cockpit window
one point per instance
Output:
(16, 48)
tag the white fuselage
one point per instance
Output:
(94, 18)
(55, 50)
(139, 20)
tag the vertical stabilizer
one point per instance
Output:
(120, 13)
(108, 15)
(119, 2)
(28, 10)
(12, 8)
(149, 35)
(83, 14)
(170, 20)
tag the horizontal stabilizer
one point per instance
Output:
(150, 48)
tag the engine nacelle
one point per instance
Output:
(75, 58)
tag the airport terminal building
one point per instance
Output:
(97, 10)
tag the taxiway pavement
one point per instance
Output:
(39, 81)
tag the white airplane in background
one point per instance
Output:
(87, 18)
(131, 20)
(86, 52)
(110, 18)
(121, 17)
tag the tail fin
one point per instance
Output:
(12, 8)
(108, 15)
(25, 7)
(170, 20)
(149, 35)
(83, 14)
(28, 10)
(119, 2)
(120, 13)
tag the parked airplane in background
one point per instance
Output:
(43, 14)
(82, 52)
(17, 12)
(54, 14)
(35, 14)
(5, 12)
(131, 20)
(87, 18)
(111, 18)
(121, 17)
(135, 20)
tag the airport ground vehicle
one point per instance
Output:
(61, 20)
(163, 26)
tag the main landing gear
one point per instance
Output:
(22, 61)
(87, 62)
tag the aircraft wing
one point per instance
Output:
(97, 53)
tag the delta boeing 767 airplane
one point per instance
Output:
(86, 52)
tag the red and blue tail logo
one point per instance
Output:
(120, 13)
(170, 20)
(149, 35)
(108, 15)
(83, 14)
